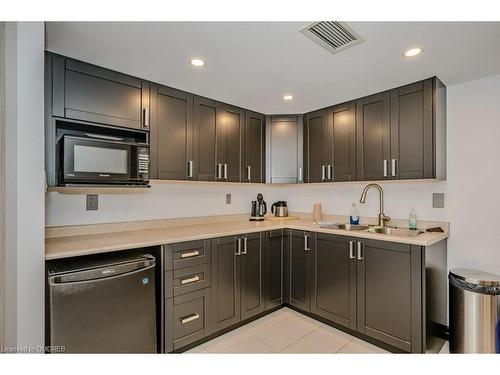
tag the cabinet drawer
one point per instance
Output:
(186, 280)
(186, 254)
(186, 319)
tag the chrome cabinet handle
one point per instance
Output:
(190, 318)
(238, 246)
(306, 242)
(393, 168)
(190, 169)
(190, 254)
(190, 280)
(300, 174)
(225, 171)
(360, 251)
(385, 168)
(217, 171)
(244, 251)
(145, 118)
(330, 172)
(323, 172)
(351, 250)
(249, 168)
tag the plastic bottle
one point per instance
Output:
(412, 221)
(354, 218)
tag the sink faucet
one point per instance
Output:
(382, 218)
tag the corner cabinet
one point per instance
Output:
(298, 276)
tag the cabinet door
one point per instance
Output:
(412, 150)
(285, 137)
(225, 284)
(373, 137)
(171, 133)
(334, 279)
(384, 287)
(252, 275)
(99, 95)
(299, 269)
(205, 120)
(318, 152)
(229, 124)
(253, 148)
(344, 141)
(275, 251)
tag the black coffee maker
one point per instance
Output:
(259, 209)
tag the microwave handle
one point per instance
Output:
(108, 137)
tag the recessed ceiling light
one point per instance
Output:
(197, 62)
(287, 97)
(412, 52)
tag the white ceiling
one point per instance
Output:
(253, 64)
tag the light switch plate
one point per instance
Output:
(228, 198)
(92, 202)
(438, 200)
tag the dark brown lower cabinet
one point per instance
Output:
(334, 279)
(252, 264)
(389, 291)
(299, 269)
(275, 252)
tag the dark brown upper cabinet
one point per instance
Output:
(90, 93)
(205, 125)
(253, 146)
(412, 130)
(229, 125)
(172, 154)
(341, 117)
(319, 153)
(373, 137)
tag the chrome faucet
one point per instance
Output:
(382, 218)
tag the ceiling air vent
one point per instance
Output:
(332, 35)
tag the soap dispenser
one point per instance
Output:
(354, 218)
(412, 220)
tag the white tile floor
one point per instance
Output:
(286, 331)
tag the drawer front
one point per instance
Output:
(186, 319)
(186, 280)
(187, 254)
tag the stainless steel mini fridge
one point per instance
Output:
(103, 306)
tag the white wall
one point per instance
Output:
(24, 192)
(471, 205)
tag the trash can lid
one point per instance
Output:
(476, 277)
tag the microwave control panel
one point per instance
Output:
(143, 161)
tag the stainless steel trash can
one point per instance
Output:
(474, 311)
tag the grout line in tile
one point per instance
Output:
(300, 338)
(347, 343)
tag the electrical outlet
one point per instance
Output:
(228, 198)
(438, 200)
(92, 202)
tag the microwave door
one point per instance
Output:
(96, 161)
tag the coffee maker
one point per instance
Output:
(259, 209)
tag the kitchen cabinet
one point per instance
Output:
(252, 262)
(238, 277)
(225, 283)
(275, 255)
(319, 155)
(412, 146)
(253, 148)
(334, 279)
(171, 132)
(299, 269)
(230, 122)
(205, 125)
(90, 93)
(373, 137)
(342, 118)
(284, 143)
(389, 293)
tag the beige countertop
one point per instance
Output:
(64, 242)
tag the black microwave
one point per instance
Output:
(102, 160)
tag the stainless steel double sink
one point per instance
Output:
(390, 231)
